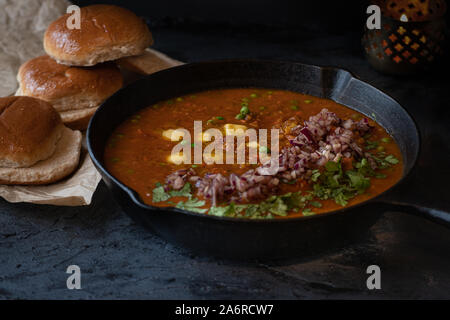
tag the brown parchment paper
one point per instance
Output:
(22, 26)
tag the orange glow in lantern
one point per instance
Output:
(411, 36)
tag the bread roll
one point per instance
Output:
(62, 163)
(35, 146)
(29, 131)
(75, 92)
(107, 33)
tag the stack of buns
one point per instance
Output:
(77, 74)
(59, 92)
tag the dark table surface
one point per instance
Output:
(119, 259)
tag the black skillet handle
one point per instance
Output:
(415, 195)
(436, 215)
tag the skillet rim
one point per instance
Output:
(136, 198)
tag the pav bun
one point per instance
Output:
(74, 92)
(106, 33)
(62, 163)
(35, 146)
(29, 131)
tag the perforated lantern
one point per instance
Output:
(411, 38)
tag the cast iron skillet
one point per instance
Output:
(240, 238)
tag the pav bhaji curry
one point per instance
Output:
(329, 155)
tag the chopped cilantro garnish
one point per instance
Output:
(384, 161)
(341, 186)
(341, 199)
(193, 205)
(219, 211)
(358, 181)
(316, 204)
(183, 192)
(332, 166)
(391, 159)
(315, 175)
(159, 194)
(279, 205)
(371, 145)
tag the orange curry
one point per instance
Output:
(138, 153)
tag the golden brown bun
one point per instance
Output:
(29, 131)
(68, 88)
(107, 33)
(61, 164)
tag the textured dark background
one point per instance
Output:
(119, 259)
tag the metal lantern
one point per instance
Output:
(411, 38)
